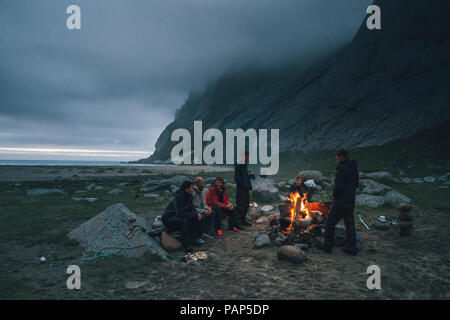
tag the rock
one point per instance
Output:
(94, 187)
(164, 184)
(301, 246)
(369, 200)
(80, 191)
(266, 208)
(417, 180)
(169, 243)
(123, 184)
(90, 200)
(443, 178)
(254, 213)
(210, 180)
(310, 184)
(151, 195)
(230, 185)
(404, 207)
(405, 180)
(291, 254)
(173, 188)
(383, 226)
(264, 188)
(108, 229)
(314, 175)
(326, 186)
(381, 176)
(317, 242)
(374, 188)
(262, 220)
(362, 175)
(283, 198)
(36, 192)
(395, 197)
(115, 191)
(279, 240)
(261, 240)
(401, 173)
(429, 179)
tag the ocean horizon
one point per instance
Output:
(69, 163)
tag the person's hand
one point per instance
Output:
(199, 216)
(208, 211)
(230, 206)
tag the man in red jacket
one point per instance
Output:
(217, 199)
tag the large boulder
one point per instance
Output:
(37, 192)
(261, 240)
(107, 232)
(372, 187)
(164, 184)
(291, 254)
(395, 197)
(315, 175)
(381, 176)
(264, 189)
(369, 200)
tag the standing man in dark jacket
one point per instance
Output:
(345, 185)
(243, 187)
(180, 214)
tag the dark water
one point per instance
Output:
(67, 163)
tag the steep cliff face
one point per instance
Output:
(385, 85)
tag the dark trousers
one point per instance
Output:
(189, 229)
(207, 222)
(337, 213)
(242, 202)
(220, 212)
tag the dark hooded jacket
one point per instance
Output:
(345, 183)
(180, 206)
(241, 177)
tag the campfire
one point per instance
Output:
(300, 220)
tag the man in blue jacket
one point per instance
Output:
(243, 187)
(345, 185)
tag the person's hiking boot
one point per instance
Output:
(219, 233)
(236, 230)
(327, 248)
(351, 251)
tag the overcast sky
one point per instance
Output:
(107, 91)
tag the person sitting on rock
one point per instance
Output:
(300, 187)
(217, 200)
(180, 214)
(203, 209)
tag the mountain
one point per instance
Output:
(383, 86)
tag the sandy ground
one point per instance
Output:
(43, 173)
(414, 267)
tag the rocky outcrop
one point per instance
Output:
(385, 85)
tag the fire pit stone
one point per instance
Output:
(291, 254)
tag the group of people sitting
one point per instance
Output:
(195, 213)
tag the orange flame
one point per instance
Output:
(299, 206)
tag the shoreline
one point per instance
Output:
(16, 173)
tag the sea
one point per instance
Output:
(71, 163)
